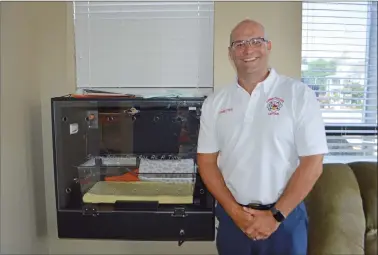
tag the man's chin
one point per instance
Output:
(250, 66)
(249, 70)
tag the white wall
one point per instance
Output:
(50, 54)
(23, 211)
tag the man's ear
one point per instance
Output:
(230, 58)
(230, 54)
(269, 45)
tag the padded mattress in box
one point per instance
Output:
(164, 193)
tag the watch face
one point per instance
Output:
(277, 215)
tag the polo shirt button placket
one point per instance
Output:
(250, 112)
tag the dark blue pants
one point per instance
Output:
(290, 238)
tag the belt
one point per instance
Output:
(259, 206)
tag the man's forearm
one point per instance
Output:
(300, 184)
(214, 181)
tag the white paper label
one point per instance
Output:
(74, 128)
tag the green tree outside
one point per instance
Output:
(316, 73)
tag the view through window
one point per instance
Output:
(339, 62)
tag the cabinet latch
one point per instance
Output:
(179, 212)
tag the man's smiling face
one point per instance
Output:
(248, 49)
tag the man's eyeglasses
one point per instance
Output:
(255, 42)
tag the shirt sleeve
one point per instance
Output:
(207, 138)
(310, 136)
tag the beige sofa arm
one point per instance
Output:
(336, 214)
(366, 174)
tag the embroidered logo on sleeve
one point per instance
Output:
(274, 105)
(225, 110)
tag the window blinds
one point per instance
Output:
(339, 62)
(144, 44)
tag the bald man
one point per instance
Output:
(260, 151)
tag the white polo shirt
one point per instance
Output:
(261, 136)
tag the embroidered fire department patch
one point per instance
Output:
(274, 105)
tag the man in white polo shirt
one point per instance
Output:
(260, 151)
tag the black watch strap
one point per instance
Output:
(277, 214)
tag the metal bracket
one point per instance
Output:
(179, 212)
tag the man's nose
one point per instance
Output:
(248, 48)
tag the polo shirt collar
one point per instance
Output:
(267, 83)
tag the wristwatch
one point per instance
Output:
(277, 214)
